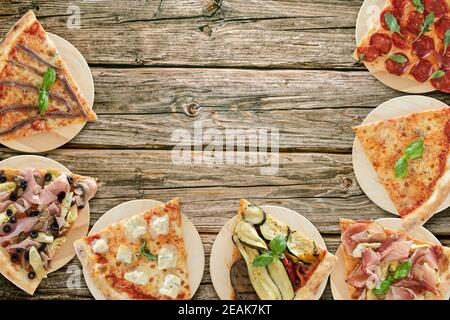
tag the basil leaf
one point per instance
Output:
(414, 150)
(398, 58)
(49, 79)
(146, 253)
(278, 245)
(403, 270)
(446, 40)
(401, 167)
(437, 74)
(361, 56)
(149, 256)
(43, 101)
(263, 260)
(382, 288)
(392, 23)
(419, 5)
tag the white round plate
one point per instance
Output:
(81, 226)
(50, 140)
(368, 16)
(223, 252)
(195, 255)
(337, 281)
(365, 173)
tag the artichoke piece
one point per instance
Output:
(248, 235)
(272, 227)
(37, 264)
(8, 186)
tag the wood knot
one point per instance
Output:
(212, 6)
(192, 109)
(346, 182)
(206, 30)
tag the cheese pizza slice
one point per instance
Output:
(387, 264)
(410, 39)
(38, 208)
(37, 90)
(140, 258)
(410, 155)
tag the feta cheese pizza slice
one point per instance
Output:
(37, 91)
(410, 155)
(139, 258)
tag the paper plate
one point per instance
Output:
(222, 253)
(338, 285)
(195, 255)
(364, 171)
(50, 140)
(81, 226)
(369, 14)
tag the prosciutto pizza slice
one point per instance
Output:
(140, 258)
(411, 157)
(410, 39)
(37, 90)
(282, 264)
(37, 210)
(387, 264)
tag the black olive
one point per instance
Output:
(34, 213)
(23, 184)
(61, 196)
(19, 250)
(48, 177)
(33, 234)
(70, 180)
(2, 178)
(55, 226)
(9, 212)
(31, 275)
(81, 206)
(42, 247)
(7, 229)
(12, 220)
(13, 196)
(15, 257)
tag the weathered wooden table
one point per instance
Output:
(248, 64)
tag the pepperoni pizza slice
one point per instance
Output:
(410, 40)
(37, 90)
(411, 157)
(140, 258)
(386, 264)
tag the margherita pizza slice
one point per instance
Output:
(37, 210)
(411, 157)
(142, 257)
(37, 90)
(410, 39)
(387, 264)
(282, 264)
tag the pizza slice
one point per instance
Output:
(282, 264)
(38, 208)
(387, 264)
(410, 39)
(410, 155)
(140, 258)
(37, 90)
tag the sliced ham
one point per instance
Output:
(5, 205)
(4, 196)
(365, 275)
(22, 205)
(60, 184)
(54, 209)
(61, 221)
(425, 255)
(362, 232)
(22, 225)
(28, 175)
(90, 188)
(399, 293)
(22, 245)
(427, 276)
(396, 250)
(47, 195)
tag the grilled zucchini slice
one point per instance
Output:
(254, 215)
(272, 227)
(248, 235)
(300, 247)
(280, 276)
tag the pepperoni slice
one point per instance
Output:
(442, 26)
(442, 83)
(439, 7)
(396, 67)
(423, 47)
(443, 59)
(415, 21)
(382, 41)
(370, 53)
(399, 4)
(397, 14)
(422, 70)
(403, 42)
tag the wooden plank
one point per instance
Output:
(322, 187)
(232, 33)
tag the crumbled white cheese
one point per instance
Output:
(100, 246)
(167, 257)
(137, 277)
(135, 228)
(124, 254)
(171, 286)
(160, 225)
(357, 253)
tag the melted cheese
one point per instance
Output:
(160, 225)
(167, 257)
(135, 228)
(171, 286)
(124, 254)
(100, 246)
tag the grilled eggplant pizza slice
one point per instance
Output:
(37, 90)
(282, 264)
(387, 264)
(38, 207)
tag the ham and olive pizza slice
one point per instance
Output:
(282, 264)
(37, 90)
(387, 264)
(410, 155)
(140, 258)
(410, 39)
(37, 210)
